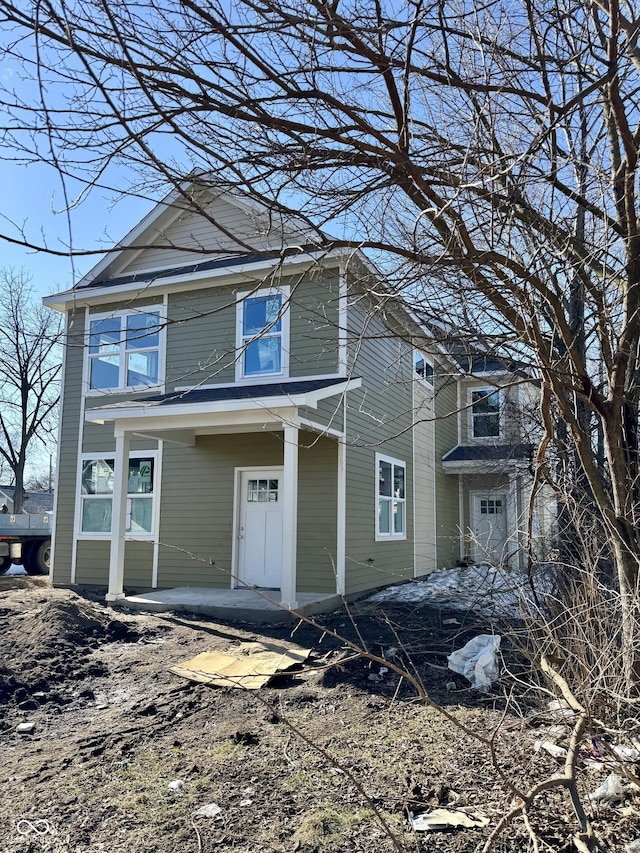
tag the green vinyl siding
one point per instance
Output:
(201, 337)
(314, 307)
(379, 419)
(70, 410)
(425, 473)
(317, 514)
(92, 563)
(446, 485)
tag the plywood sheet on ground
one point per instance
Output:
(250, 666)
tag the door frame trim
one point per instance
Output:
(500, 491)
(238, 471)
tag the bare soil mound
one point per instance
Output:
(105, 751)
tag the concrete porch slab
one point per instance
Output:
(243, 605)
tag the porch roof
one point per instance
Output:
(182, 414)
(467, 457)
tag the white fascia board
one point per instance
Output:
(234, 274)
(204, 420)
(182, 412)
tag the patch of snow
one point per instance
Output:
(488, 590)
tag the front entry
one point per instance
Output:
(259, 528)
(489, 526)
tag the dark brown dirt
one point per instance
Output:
(329, 758)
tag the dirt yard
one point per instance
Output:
(123, 754)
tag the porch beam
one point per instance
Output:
(119, 517)
(288, 585)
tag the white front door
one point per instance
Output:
(489, 526)
(259, 528)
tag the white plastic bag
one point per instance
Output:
(477, 660)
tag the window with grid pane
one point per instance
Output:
(96, 495)
(124, 350)
(391, 522)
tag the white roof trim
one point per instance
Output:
(114, 293)
(181, 412)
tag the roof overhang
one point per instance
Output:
(181, 422)
(225, 275)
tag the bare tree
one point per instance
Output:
(487, 153)
(29, 376)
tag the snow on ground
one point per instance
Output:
(484, 589)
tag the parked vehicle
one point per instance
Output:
(25, 538)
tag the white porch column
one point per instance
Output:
(290, 518)
(119, 517)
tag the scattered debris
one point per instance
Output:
(611, 791)
(552, 748)
(477, 660)
(440, 819)
(176, 785)
(251, 667)
(25, 728)
(210, 810)
(451, 686)
(633, 846)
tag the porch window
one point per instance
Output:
(124, 350)
(96, 495)
(391, 520)
(485, 413)
(263, 326)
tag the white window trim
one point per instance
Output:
(389, 537)
(488, 389)
(423, 380)
(145, 536)
(160, 309)
(260, 379)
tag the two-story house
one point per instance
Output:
(241, 409)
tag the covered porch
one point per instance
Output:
(200, 424)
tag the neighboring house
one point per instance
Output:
(493, 462)
(34, 502)
(242, 409)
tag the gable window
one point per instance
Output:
(262, 334)
(485, 413)
(96, 495)
(391, 521)
(124, 350)
(423, 368)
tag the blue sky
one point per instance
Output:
(33, 201)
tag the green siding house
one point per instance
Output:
(240, 409)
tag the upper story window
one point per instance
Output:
(124, 350)
(485, 413)
(423, 368)
(391, 478)
(262, 334)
